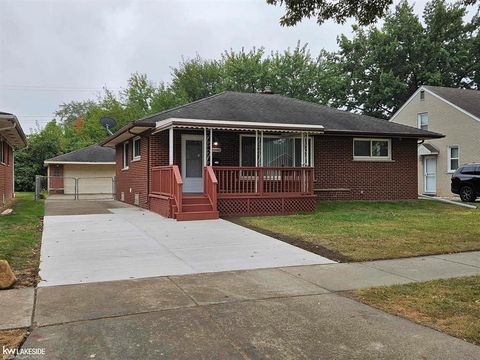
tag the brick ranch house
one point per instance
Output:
(243, 154)
(12, 138)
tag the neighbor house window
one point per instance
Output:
(277, 151)
(56, 171)
(371, 149)
(125, 155)
(453, 158)
(422, 121)
(136, 148)
(422, 94)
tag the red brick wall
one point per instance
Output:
(6, 175)
(133, 180)
(364, 180)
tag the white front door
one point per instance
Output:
(192, 163)
(430, 174)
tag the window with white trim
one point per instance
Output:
(453, 158)
(422, 95)
(136, 148)
(277, 151)
(125, 155)
(372, 149)
(422, 121)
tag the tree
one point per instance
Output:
(197, 78)
(245, 71)
(42, 144)
(365, 12)
(384, 66)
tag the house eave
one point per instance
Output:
(235, 125)
(127, 132)
(418, 136)
(53, 162)
(12, 132)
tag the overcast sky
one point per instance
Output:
(58, 51)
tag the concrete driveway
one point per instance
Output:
(112, 241)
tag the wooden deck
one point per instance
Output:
(231, 191)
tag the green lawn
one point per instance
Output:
(452, 306)
(20, 236)
(360, 230)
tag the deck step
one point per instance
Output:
(196, 207)
(197, 199)
(197, 215)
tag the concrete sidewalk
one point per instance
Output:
(16, 307)
(280, 313)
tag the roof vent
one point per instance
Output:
(267, 90)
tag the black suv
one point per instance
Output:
(466, 182)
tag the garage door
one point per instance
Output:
(92, 180)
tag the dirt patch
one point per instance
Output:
(305, 245)
(12, 339)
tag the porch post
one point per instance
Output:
(204, 147)
(256, 148)
(261, 147)
(211, 147)
(170, 146)
(302, 145)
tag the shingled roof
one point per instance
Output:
(272, 108)
(468, 100)
(89, 154)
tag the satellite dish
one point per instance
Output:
(108, 123)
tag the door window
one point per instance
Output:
(193, 158)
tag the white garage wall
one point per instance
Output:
(93, 179)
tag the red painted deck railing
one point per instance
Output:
(167, 181)
(247, 181)
(210, 185)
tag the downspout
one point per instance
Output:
(148, 172)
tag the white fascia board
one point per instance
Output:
(165, 124)
(47, 162)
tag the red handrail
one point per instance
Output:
(210, 186)
(251, 180)
(177, 187)
(167, 181)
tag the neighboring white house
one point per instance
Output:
(449, 111)
(88, 171)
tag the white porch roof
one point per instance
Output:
(236, 125)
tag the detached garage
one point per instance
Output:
(86, 172)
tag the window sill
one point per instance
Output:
(372, 160)
(136, 159)
(125, 168)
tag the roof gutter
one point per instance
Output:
(15, 125)
(126, 128)
(430, 135)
